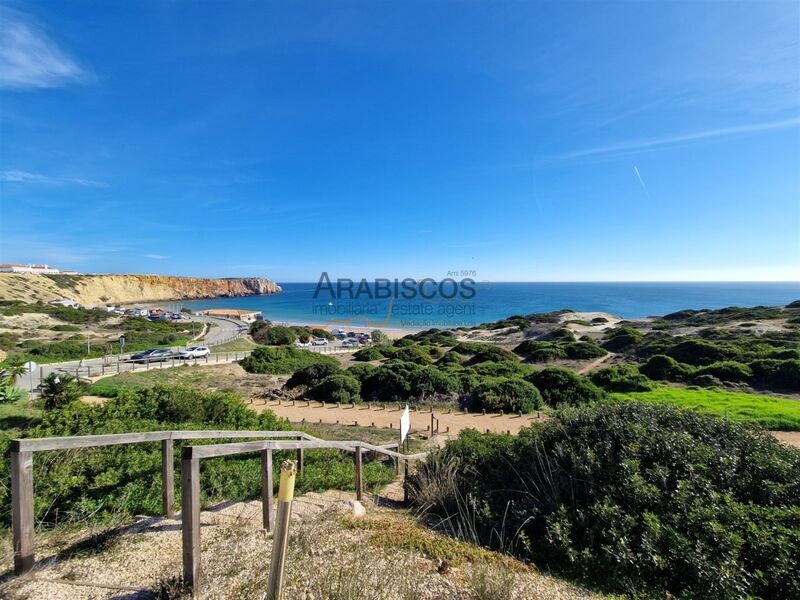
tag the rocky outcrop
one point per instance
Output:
(101, 290)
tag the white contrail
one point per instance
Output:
(647, 144)
(639, 175)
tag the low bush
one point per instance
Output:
(508, 394)
(407, 381)
(622, 378)
(59, 389)
(506, 368)
(561, 386)
(361, 372)
(527, 346)
(696, 352)
(282, 360)
(646, 501)
(312, 374)
(548, 354)
(481, 352)
(660, 367)
(727, 370)
(562, 334)
(367, 354)
(584, 350)
(778, 374)
(339, 387)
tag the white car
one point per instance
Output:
(319, 342)
(349, 343)
(194, 352)
(302, 344)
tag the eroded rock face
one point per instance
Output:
(100, 290)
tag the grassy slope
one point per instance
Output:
(238, 345)
(18, 415)
(766, 411)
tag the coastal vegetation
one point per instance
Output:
(644, 500)
(114, 484)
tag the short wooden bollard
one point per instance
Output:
(281, 538)
(359, 477)
(167, 479)
(301, 458)
(266, 488)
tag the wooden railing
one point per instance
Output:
(22, 450)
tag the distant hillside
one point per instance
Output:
(97, 290)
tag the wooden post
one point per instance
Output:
(22, 508)
(301, 459)
(281, 538)
(266, 488)
(190, 519)
(359, 478)
(431, 422)
(167, 479)
(405, 481)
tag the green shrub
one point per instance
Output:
(527, 346)
(407, 353)
(406, 381)
(59, 389)
(584, 350)
(368, 353)
(696, 352)
(451, 357)
(727, 370)
(660, 367)
(777, 374)
(280, 360)
(646, 501)
(379, 338)
(547, 354)
(561, 386)
(8, 341)
(361, 372)
(622, 378)
(483, 352)
(507, 394)
(312, 374)
(339, 387)
(506, 368)
(562, 334)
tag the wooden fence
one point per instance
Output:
(21, 455)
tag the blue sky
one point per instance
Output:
(527, 141)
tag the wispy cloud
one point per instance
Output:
(15, 176)
(641, 181)
(156, 256)
(29, 58)
(650, 143)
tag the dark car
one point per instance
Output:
(152, 355)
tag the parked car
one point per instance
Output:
(302, 344)
(349, 343)
(152, 355)
(319, 342)
(194, 352)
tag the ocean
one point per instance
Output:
(494, 301)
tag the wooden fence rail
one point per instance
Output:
(190, 484)
(22, 490)
(21, 456)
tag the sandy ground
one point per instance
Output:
(790, 438)
(372, 415)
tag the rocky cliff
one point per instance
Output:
(100, 290)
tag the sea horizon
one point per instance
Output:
(498, 300)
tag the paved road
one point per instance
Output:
(224, 330)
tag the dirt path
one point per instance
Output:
(366, 415)
(790, 438)
(595, 363)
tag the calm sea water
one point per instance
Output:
(494, 301)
